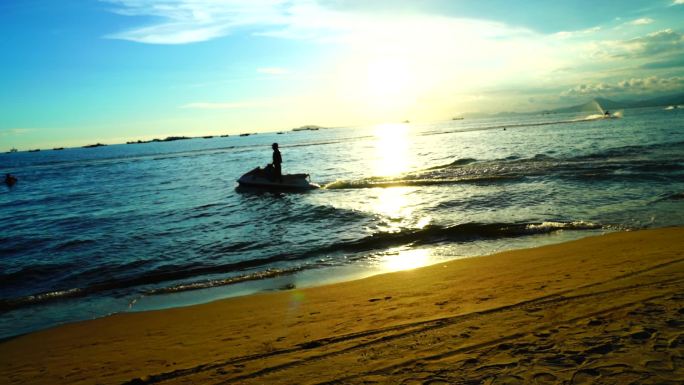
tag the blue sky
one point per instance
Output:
(77, 72)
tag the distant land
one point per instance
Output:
(604, 103)
(590, 106)
(607, 104)
(308, 127)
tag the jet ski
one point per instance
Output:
(265, 179)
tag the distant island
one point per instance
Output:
(94, 145)
(309, 127)
(167, 139)
(597, 104)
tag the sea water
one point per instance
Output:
(88, 232)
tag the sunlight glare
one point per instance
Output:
(406, 260)
(392, 203)
(391, 148)
(388, 79)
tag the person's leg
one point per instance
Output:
(279, 174)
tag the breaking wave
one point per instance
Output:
(239, 271)
(627, 162)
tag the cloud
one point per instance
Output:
(272, 71)
(678, 2)
(668, 63)
(642, 21)
(655, 43)
(15, 131)
(580, 33)
(222, 105)
(588, 89)
(633, 85)
(190, 21)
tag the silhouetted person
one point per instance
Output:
(606, 114)
(10, 180)
(277, 161)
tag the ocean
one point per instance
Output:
(88, 232)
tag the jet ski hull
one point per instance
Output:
(294, 182)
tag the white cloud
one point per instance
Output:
(15, 131)
(652, 83)
(642, 21)
(632, 85)
(189, 21)
(678, 2)
(580, 33)
(222, 105)
(666, 41)
(588, 89)
(272, 71)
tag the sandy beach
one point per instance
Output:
(606, 309)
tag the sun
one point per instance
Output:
(386, 78)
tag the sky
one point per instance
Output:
(76, 72)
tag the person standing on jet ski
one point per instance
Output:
(277, 161)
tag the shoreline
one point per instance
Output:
(431, 315)
(385, 261)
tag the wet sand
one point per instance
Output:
(607, 309)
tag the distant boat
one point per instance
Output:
(208, 137)
(247, 134)
(34, 150)
(457, 118)
(14, 150)
(58, 148)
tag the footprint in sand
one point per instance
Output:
(436, 381)
(659, 366)
(585, 376)
(544, 379)
(508, 380)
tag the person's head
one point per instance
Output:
(274, 146)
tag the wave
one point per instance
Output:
(206, 284)
(671, 197)
(431, 234)
(462, 232)
(72, 244)
(408, 237)
(407, 182)
(601, 116)
(456, 163)
(588, 118)
(626, 162)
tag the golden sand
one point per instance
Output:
(606, 309)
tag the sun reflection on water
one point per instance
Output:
(391, 159)
(392, 203)
(406, 260)
(391, 149)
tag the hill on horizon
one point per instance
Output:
(591, 106)
(607, 104)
